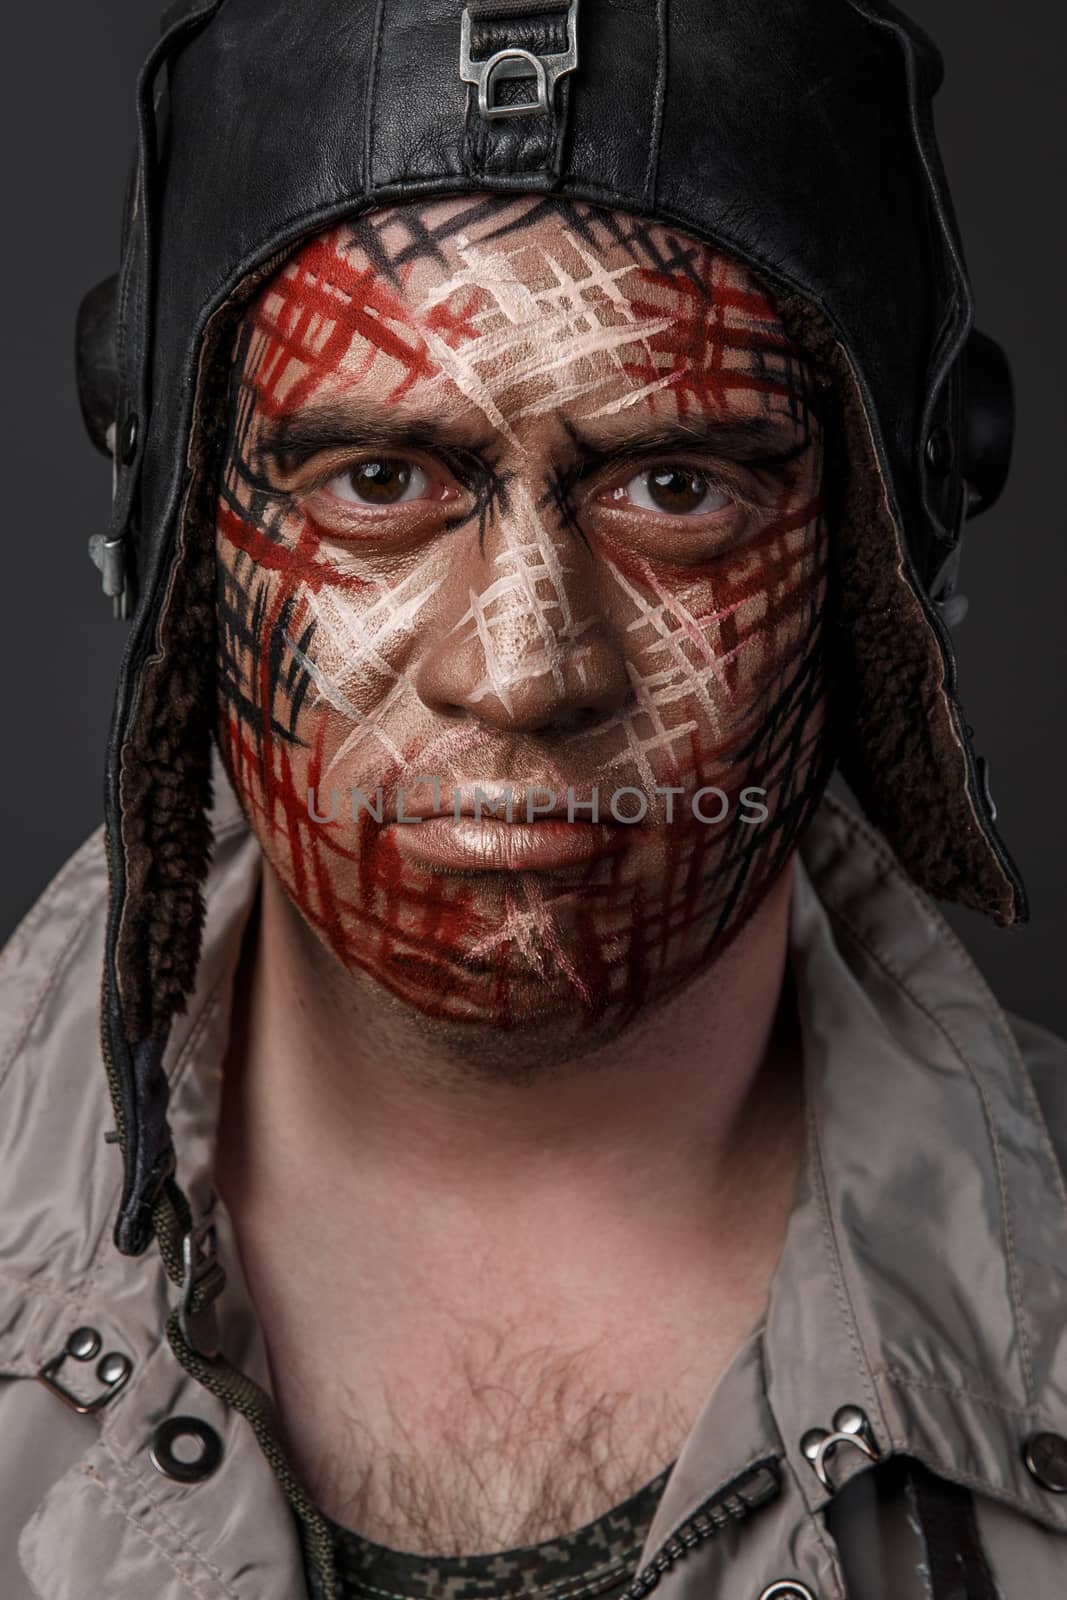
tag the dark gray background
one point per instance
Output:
(67, 105)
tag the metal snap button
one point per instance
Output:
(83, 1344)
(114, 1369)
(175, 1461)
(787, 1589)
(1045, 1455)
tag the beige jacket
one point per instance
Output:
(923, 1279)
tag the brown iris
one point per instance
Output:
(381, 483)
(676, 490)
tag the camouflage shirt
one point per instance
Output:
(599, 1559)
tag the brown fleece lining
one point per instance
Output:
(898, 744)
(166, 788)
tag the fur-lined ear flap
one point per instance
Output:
(96, 360)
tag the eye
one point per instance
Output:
(674, 491)
(382, 481)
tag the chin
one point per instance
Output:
(512, 1025)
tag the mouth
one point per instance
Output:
(493, 827)
(488, 845)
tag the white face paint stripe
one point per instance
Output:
(670, 640)
(624, 402)
(365, 730)
(548, 333)
(333, 695)
(352, 640)
(529, 929)
(515, 600)
(495, 680)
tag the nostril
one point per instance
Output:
(577, 719)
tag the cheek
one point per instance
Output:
(735, 625)
(307, 636)
(770, 600)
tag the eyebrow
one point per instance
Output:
(753, 441)
(291, 440)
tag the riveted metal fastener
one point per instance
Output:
(787, 1589)
(850, 1427)
(542, 71)
(1045, 1455)
(182, 1464)
(939, 451)
(113, 1371)
(109, 558)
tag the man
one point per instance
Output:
(585, 1160)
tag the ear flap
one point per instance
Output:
(96, 360)
(988, 421)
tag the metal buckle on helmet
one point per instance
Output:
(515, 63)
(109, 557)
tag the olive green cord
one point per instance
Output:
(172, 1219)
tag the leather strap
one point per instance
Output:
(488, 10)
(959, 1568)
(904, 1534)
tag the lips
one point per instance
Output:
(493, 846)
(551, 828)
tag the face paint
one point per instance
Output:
(521, 495)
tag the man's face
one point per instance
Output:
(522, 497)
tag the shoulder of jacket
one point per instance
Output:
(1044, 1055)
(59, 940)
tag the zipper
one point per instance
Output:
(732, 1504)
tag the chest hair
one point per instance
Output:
(514, 1447)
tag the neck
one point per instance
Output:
(325, 1070)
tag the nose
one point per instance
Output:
(526, 647)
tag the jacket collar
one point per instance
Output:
(923, 1276)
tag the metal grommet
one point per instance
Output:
(165, 1459)
(83, 1344)
(939, 451)
(787, 1589)
(131, 430)
(1045, 1455)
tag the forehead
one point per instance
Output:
(517, 309)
